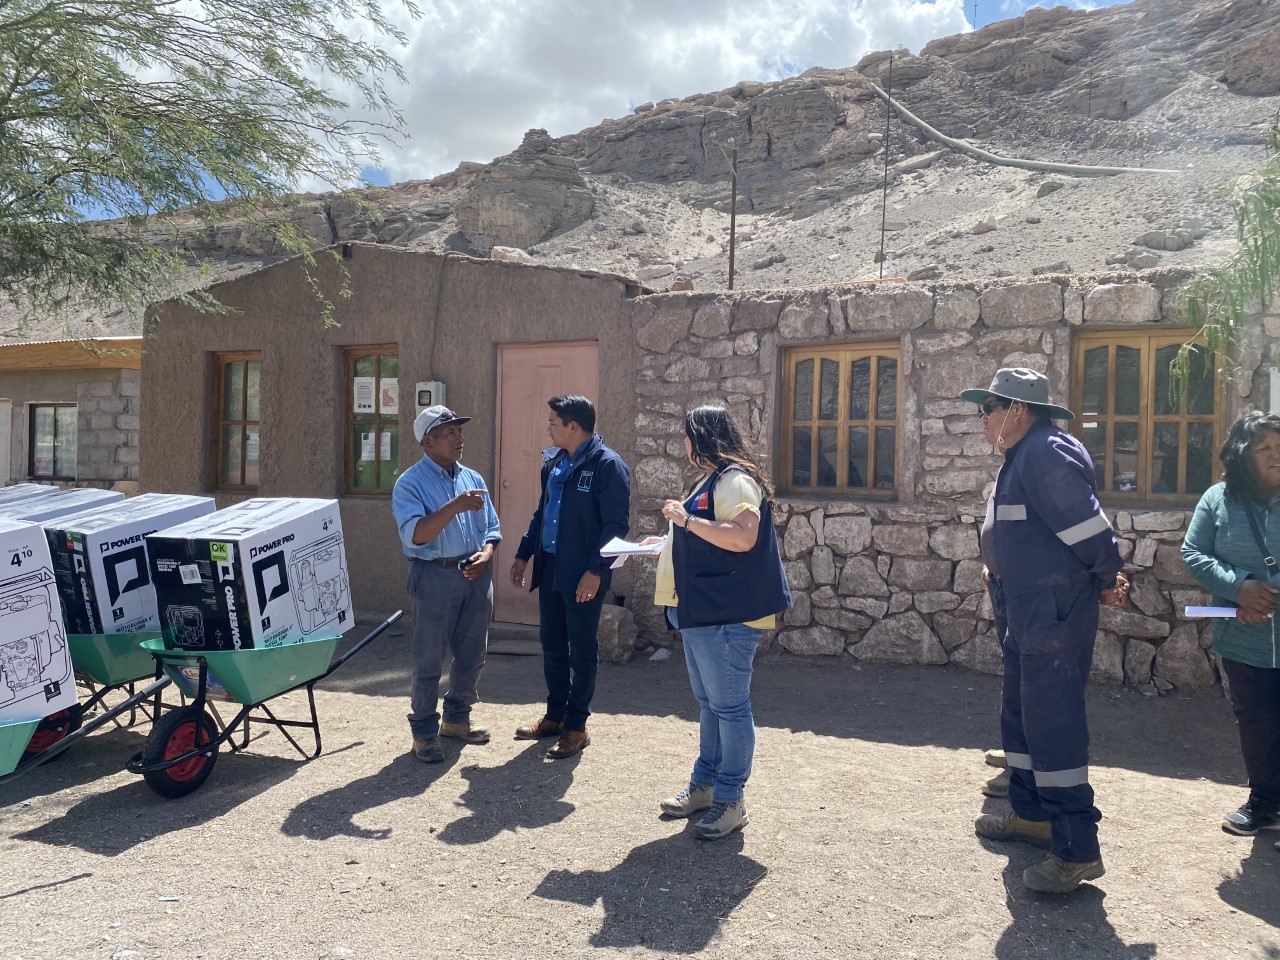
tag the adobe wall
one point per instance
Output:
(901, 581)
(444, 330)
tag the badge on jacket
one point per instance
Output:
(702, 500)
(584, 481)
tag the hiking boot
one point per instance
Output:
(687, 802)
(1010, 826)
(998, 786)
(995, 758)
(428, 749)
(539, 729)
(1251, 818)
(465, 731)
(721, 820)
(1052, 875)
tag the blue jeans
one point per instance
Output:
(720, 661)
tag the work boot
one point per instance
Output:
(998, 786)
(545, 727)
(995, 758)
(721, 820)
(465, 731)
(1052, 875)
(571, 742)
(1251, 818)
(1010, 826)
(688, 801)
(428, 749)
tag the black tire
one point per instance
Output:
(173, 735)
(53, 729)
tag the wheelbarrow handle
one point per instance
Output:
(373, 635)
(93, 724)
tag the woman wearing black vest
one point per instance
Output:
(721, 579)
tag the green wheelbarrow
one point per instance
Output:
(182, 747)
(105, 664)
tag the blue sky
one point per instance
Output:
(481, 73)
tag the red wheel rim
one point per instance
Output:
(183, 740)
(46, 736)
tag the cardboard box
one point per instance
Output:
(60, 504)
(36, 678)
(100, 561)
(25, 491)
(264, 573)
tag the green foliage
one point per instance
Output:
(1219, 299)
(144, 107)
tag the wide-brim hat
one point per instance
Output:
(1019, 383)
(432, 417)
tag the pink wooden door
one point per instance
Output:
(528, 376)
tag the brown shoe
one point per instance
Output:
(570, 742)
(540, 729)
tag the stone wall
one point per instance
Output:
(901, 581)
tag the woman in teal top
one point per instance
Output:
(1222, 551)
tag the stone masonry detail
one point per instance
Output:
(901, 581)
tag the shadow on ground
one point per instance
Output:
(943, 706)
(1256, 888)
(525, 793)
(333, 813)
(671, 895)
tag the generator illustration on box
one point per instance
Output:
(263, 573)
(36, 677)
(100, 561)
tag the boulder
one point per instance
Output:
(859, 578)
(1181, 661)
(617, 634)
(901, 639)
(816, 640)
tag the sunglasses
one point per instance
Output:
(989, 407)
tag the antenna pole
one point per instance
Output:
(884, 196)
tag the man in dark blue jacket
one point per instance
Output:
(1056, 553)
(585, 503)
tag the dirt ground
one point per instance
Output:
(860, 842)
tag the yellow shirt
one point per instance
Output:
(734, 493)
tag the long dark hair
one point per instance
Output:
(1241, 480)
(717, 441)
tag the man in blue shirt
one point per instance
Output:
(448, 529)
(586, 500)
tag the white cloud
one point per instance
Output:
(481, 73)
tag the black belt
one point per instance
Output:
(452, 563)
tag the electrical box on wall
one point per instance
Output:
(429, 393)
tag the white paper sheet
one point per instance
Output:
(617, 547)
(620, 549)
(1228, 613)
(366, 447)
(385, 449)
(362, 395)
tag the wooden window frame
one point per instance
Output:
(349, 357)
(1149, 343)
(31, 440)
(220, 361)
(843, 354)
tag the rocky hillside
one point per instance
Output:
(1188, 87)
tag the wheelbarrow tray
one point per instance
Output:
(112, 659)
(247, 676)
(14, 737)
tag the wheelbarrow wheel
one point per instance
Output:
(53, 729)
(172, 736)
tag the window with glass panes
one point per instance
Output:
(840, 426)
(1145, 443)
(53, 441)
(372, 420)
(239, 400)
